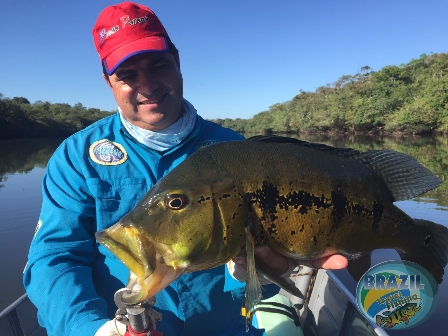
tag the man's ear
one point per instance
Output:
(106, 78)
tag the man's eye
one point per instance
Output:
(126, 76)
(161, 65)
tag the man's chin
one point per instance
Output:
(155, 121)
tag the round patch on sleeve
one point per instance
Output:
(107, 153)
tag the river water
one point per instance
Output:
(22, 167)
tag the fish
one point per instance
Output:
(304, 200)
(399, 315)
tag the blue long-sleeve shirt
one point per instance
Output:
(93, 179)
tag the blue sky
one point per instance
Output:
(238, 57)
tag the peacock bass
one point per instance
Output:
(304, 200)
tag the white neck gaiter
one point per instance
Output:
(168, 137)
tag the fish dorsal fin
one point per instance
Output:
(274, 138)
(404, 176)
(346, 152)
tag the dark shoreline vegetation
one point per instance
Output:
(410, 99)
(21, 119)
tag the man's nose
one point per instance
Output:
(148, 83)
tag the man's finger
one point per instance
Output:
(333, 262)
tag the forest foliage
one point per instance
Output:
(410, 98)
(21, 119)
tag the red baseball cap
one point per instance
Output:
(127, 29)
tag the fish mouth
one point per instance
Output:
(149, 272)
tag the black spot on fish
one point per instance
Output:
(202, 199)
(249, 205)
(263, 240)
(269, 200)
(315, 240)
(340, 205)
(272, 230)
(234, 215)
(208, 198)
(293, 233)
(302, 228)
(303, 201)
(377, 214)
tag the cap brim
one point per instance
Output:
(143, 45)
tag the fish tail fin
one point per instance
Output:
(432, 254)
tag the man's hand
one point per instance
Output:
(282, 265)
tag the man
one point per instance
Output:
(99, 174)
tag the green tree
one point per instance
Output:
(20, 100)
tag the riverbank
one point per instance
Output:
(375, 132)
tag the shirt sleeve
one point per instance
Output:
(58, 276)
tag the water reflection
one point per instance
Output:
(22, 155)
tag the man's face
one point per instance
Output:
(148, 89)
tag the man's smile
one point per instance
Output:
(152, 101)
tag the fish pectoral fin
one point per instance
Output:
(358, 267)
(280, 281)
(253, 286)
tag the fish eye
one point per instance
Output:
(176, 201)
